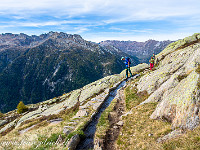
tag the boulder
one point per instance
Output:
(96, 87)
(28, 116)
(67, 131)
(82, 113)
(157, 95)
(9, 125)
(120, 123)
(3, 122)
(169, 136)
(73, 99)
(73, 142)
(69, 102)
(178, 105)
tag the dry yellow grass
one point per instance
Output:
(31, 136)
(42, 129)
(188, 141)
(141, 132)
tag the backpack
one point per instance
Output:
(128, 60)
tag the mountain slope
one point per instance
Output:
(156, 109)
(43, 67)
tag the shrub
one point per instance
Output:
(181, 77)
(21, 107)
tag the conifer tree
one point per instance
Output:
(21, 107)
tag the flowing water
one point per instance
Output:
(88, 142)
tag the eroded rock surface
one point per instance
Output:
(174, 83)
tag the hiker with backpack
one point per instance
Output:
(127, 63)
(151, 63)
(153, 56)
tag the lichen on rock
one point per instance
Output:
(174, 84)
(178, 105)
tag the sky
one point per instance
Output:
(99, 20)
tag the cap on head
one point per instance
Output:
(122, 58)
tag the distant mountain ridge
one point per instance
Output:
(36, 68)
(142, 50)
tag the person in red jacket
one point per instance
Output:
(151, 63)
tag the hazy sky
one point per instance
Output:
(98, 20)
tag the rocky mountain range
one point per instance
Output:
(36, 68)
(155, 109)
(142, 50)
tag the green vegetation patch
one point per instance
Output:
(47, 142)
(78, 131)
(103, 123)
(133, 98)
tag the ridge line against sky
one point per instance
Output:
(99, 20)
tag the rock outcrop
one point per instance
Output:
(174, 83)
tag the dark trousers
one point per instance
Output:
(128, 70)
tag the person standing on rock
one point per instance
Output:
(154, 56)
(127, 63)
(151, 63)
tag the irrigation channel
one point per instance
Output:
(89, 131)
